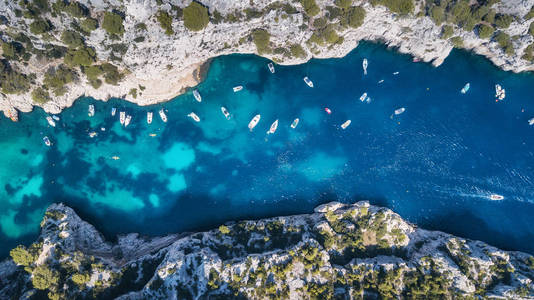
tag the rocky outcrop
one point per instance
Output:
(341, 250)
(156, 66)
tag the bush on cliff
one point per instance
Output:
(505, 42)
(57, 78)
(11, 81)
(165, 21)
(310, 7)
(356, 16)
(503, 21)
(43, 278)
(261, 38)
(112, 23)
(485, 31)
(403, 7)
(447, 32)
(40, 26)
(83, 56)
(343, 3)
(195, 16)
(21, 256)
(89, 24)
(297, 51)
(531, 29)
(40, 95)
(72, 38)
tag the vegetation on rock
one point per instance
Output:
(112, 23)
(195, 16)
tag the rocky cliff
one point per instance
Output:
(341, 251)
(149, 51)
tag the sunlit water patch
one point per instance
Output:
(437, 164)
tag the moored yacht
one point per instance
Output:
(531, 121)
(225, 112)
(46, 140)
(197, 96)
(91, 110)
(465, 88)
(363, 97)
(149, 117)
(500, 93)
(345, 124)
(271, 67)
(399, 111)
(254, 122)
(92, 134)
(496, 197)
(365, 63)
(50, 121)
(113, 111)
(396, 73)
(122, 117)
(194, 116)
(237, 88)
(273, 128)
(127, 120)
(308, 81)
(295, 123)
(55, 117)
(328, 111)
(162, 115)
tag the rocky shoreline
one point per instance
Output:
(154, 64)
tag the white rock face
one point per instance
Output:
(166, 65)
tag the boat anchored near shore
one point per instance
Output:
(308, 81)
(127, 121)
(271, 67)
(225, 112)
(346, 124)
(91, 110)
(162, 115)
(295, 123)
(50, 121)
(122, 117)
(237, 88)
(273, 127)
(197, 96)
(194, 116)
(254, 122)
(149, 117)
(365, 63)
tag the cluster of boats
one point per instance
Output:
(500, 93)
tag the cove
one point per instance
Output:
(436, 164)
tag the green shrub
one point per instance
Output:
(57, 78)
(195, 16)
(40, 26)
(530, 14)
(503, 21)
(40, 95)
(402, 7)
(89, 24)
(76, 9)
(505, 42)
(139, 39)
(310, 7)
(43, 278)
(11, 81)
(80, 279)
(356, 16)
(224, 229)
(165, 21)
(133, 92)
(140, 26)
(490, 16)
(343, 3)
(319, 23)
(297, 51)
(531, 29)
(112, 23)
(485, 31)
(111, 74)
(261, 38)
(8, 50)
(21, 256)
(528, 55)
(437, 14)
(447, 32)
(83, 56)
(72, 38)
(457, 41)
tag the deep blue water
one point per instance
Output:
(436, 164)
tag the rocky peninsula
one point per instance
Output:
(341, 251)
(55, 51)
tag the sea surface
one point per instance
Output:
(436, 164)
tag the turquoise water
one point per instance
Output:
(436, 164)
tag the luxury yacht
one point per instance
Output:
(162, 115)
(197, 96)
(91, 110)
(465, 88)
(149, 117)
(399, 111)
(127, 120)
(113, 111)
(271, 67)
(254, 122)
(194, 116)
(295, 123)
(50, 121)
(346, 124)
(122, 117)
(308, 81)
(46, 140)
(225, 112)
(237, 88)
(273, 128)
(365, 63)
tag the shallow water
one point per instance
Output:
(436, 164)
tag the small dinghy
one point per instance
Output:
(465, 88)
(365, 63)
(295, 123)
(308, 81)
(55, 117)
(531, 122)
(346, 124)
(237, 88)
(197, 96)
(273, 128)
(363, 97)
(91, 110)
(149, 116)
(225, 112)
(122, 117)
(328, 111)
(127, 120)
(50, 121)
(163, 116)
(194, 116)
(271, 67)
(254, 122)
(113, 111)
(47, 142)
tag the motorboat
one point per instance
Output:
(122, 117)
(496, 197)
(295, 123)
(273, 127)
(91, 110)
(271, 67)
(396, 73)
(115, 157)
(149, 117)
(381, 80)
(225, 112)
(55, 117)
(465, 88)
(46, 140)
(346, 124)
(127, 120)
(50, 121)
(254, 122)
(152, 134)
(237, 88)
(194, 116)
(308, 81)
(363, 97)
(113, 111)
(162, 115)
(328, 111)
(399, 111)
(365, 63)
(197, 96)
(531, 122)
(92, 134)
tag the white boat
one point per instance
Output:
(149, 115)
(271, 67)
(50, 121)
(197, 96)
(531, 122)
(308, 81)
(225, 112)
(113, 111)
(365, 63)
(496, 197)
(46, 140)
(295, 123)
(55, 117)
(254, 122)
(399, 111)
(500, 93)
(91, 110)
(127, 121)
(237, 88)
(465, 88)
(92, 134)
(194, 116)
(363, 97)
(346, 124)
(381, 80)
(122, 117)
(273, 128)
(162, 115)
(396, 73)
